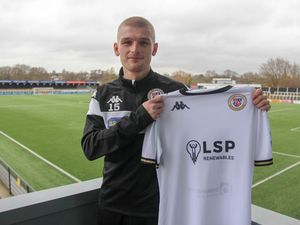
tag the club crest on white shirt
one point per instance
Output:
(237, 102)
(153, 92)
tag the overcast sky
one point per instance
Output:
(193, 35)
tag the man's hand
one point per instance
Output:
(261, 101)
(154, 106)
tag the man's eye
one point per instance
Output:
(126, 43)
(144, 43)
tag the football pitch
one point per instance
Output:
(40, 139)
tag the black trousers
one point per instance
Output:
(106, 217)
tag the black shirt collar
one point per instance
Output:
(185, 91)
(137, 83)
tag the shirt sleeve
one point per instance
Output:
(149, 152)
(263, 153)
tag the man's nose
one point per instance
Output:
(134, 47)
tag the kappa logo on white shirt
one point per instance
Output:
(114, 103)
(180, 106)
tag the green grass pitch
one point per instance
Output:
(282, 192)
(51, 126)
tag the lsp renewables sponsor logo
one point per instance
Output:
(217, 150)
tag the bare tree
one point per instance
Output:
(296, 74)
(95, 75)
(275, 71)
(200, 78)
(68, 75)
(108, 75)
(250, 78)
(211, 73)
(38, 73)
(183, 77)
(5, 73)
(230, 74)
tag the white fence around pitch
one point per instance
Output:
(15, 184)
(283, 95)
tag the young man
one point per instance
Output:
(118, 114)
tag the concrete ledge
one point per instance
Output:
(70, 204)
(267, 217)
(76, 204)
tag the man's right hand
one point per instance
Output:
(154, 106)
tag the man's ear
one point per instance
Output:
(116, 49)
(155, 48)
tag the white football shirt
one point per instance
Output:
(205, 145)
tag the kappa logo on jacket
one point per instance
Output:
(114, 103)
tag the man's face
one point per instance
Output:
(135, 48)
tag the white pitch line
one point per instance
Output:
(41, 158)
(281, 110)
(295, 129)
(276, 174)
(285, 154)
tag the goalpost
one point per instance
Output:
(43, 91)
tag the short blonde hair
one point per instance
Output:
(139, 22)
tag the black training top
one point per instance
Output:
(114, 128)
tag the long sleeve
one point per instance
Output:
(100, 139)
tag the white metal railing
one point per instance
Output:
(15, 184)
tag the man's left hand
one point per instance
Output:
(261, 101)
